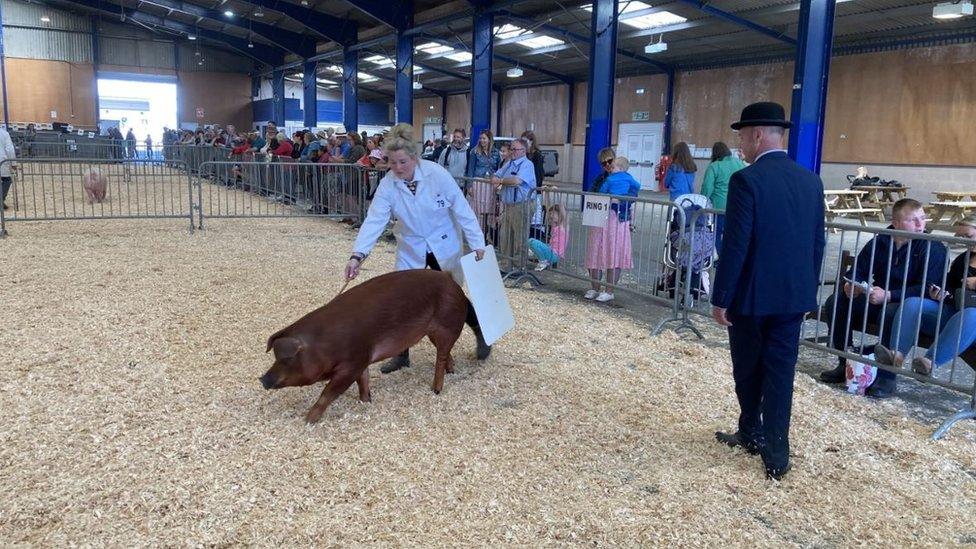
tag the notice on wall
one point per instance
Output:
(54, 115)
(199, 112)
(596, 208)
(640, 115)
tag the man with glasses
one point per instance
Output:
(516, 181)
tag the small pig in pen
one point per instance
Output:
(373, 321)
(95, 185)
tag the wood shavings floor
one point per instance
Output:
(133, 416)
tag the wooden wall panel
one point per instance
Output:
(458, 112)
(626, 100)
(136, 70)
(913, 106)
(579, 113)
(422, 109)
(36, 87)
(706, 102)
(224, 96)
(544, 109)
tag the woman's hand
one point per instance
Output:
(352, 269)
(936, 293)
(479, 254)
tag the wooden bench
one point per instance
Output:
(847, 203)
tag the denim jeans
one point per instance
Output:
(543, 251)
(922, 315)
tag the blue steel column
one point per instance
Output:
(310, 94)
(350, 95)
(443, 114)
(3, 74)
(599, 102)
(404, 78)
(481, 51)
(96, 57)
(668, 116)
(278, 97)
(814, 39)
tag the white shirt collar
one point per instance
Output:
(767, 152)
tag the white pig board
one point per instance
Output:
(487, 294)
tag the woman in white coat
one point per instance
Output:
(430, 208)
(7, 152)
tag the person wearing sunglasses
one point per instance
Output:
(594, 237)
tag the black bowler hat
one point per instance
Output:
(763, 114)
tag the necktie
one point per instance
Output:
(412, 185)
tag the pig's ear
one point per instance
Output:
(287, 347)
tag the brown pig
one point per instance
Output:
(95, 185)
(373, 321)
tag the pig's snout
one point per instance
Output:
(269, 380)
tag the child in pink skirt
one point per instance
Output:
(609, 248)
(550, 254)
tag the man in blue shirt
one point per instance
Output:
(894, 268)
(516, 181)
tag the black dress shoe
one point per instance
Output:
(774, 473)
(483, 349)
(737, 440)
(395, 364)
(836, 375)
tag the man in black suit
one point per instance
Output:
(767, 280)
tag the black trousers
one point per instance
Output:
(843, 322)
(471, 319)
(764, 351)
(5, 184)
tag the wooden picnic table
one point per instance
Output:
(881, 196)
(954, 196)
(847, 203)
(955, 208)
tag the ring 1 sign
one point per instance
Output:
(596, 208)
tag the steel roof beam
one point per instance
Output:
(295, 43)
(733, 18)
(267, 54)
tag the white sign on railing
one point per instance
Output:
(596, 207)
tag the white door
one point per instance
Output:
(640, 142)
(432, 132)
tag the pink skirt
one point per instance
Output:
(610, 247)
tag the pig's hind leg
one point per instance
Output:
(443, 340)
(335, 387)
(363, 383)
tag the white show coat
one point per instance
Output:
(7, 151)
(427, 219)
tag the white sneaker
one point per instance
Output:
(590, 294)
(604, 297)
(543, 265)
(531, 253)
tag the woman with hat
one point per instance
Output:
(431, 211)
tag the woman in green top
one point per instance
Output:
(716, 184)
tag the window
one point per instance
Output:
(533, 40)
(646, 21)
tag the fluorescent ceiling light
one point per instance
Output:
(650, 21)
(460, 57)
(334, 68)
(325, 81)
(433, 48)
(380, 60)
(191, 37)
(417, 85)
(532, 42)
(514, 72)
(228, 13)
(45, 19)
(366, 77)
(952, 10)
(656, 47)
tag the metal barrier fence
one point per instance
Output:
(60, 189)
(283, 188)
(917, 322)
(70, 146)
(635, 252)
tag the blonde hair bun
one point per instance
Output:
(401, 131)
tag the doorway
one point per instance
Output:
(640, 142)
(143, 103)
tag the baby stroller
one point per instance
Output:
(689, 247)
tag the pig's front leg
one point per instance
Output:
(340, 381)
(363, 383)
